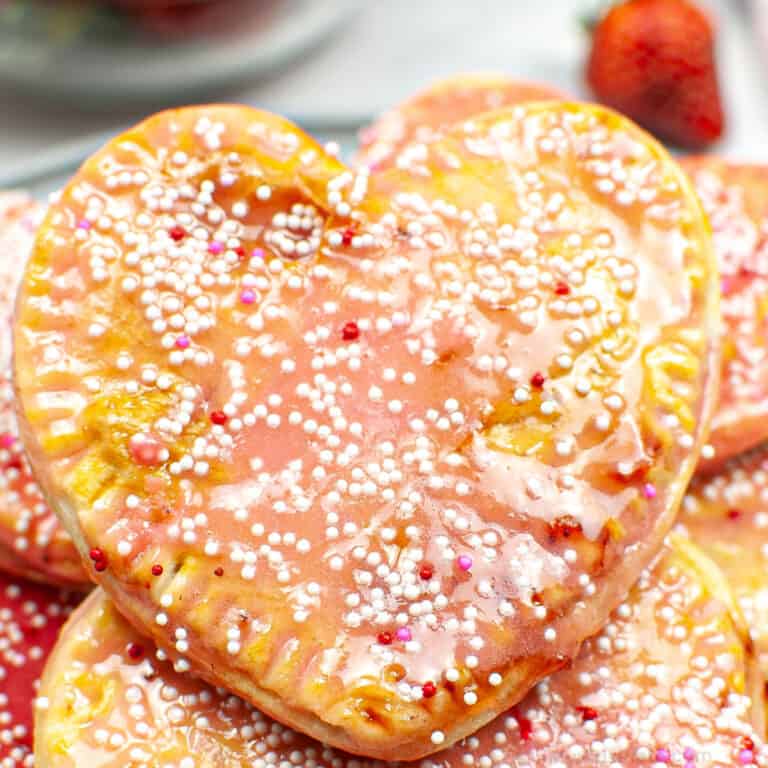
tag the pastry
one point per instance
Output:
(337, 436)
(736, 199)
(32, 541)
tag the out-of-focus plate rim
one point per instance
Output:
(172, 72)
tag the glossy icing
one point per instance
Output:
(335, 437)
(734, 196)
(32, 541)
(30, 618)
(736, 200)
(442, 104)
(665, 682)
(727, 515)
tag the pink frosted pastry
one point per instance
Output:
(376, 452)
(32, 542)
(736, 200)
(666, 682)
(727, 515)
(30, 618)
(441, 105)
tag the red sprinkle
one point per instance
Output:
(157, 570)
(219, 417)
(734, 514)
(563, 527)
(587, 713)
(428, 690)
(135, 651)
(350, 331)
(177, 233)
(426, 572)
(525, 726)
(561, 288)
(347, 235)
(100, 565)
(747, 743)
(240, 251)
(385, 638)
(537, 380)
(219, 571)
(96, 554)
(14, 463)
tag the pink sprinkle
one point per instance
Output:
(464, 562)
(145, 449)
(215, 247)
(662, 755)
(403, 634)
(368, 136)
(746, 756)
(649, 491)
(257, 253)
(247, 296)
(689, 753)
(7, 440)
(84, 224)
(182, 342)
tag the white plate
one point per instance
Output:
(104, 71)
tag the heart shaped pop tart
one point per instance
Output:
(32, 541)
(31, 616)
(727, 515)
(736, 200)
(668, 681)
(441, 105)
(376, 452)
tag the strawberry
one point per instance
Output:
(654, 60)
(179, 18)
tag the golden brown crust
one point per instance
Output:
(64, 574)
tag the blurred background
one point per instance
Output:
(74, 72)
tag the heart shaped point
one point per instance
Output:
(679, 616)
(407, 386)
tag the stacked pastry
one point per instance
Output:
(380, 463)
